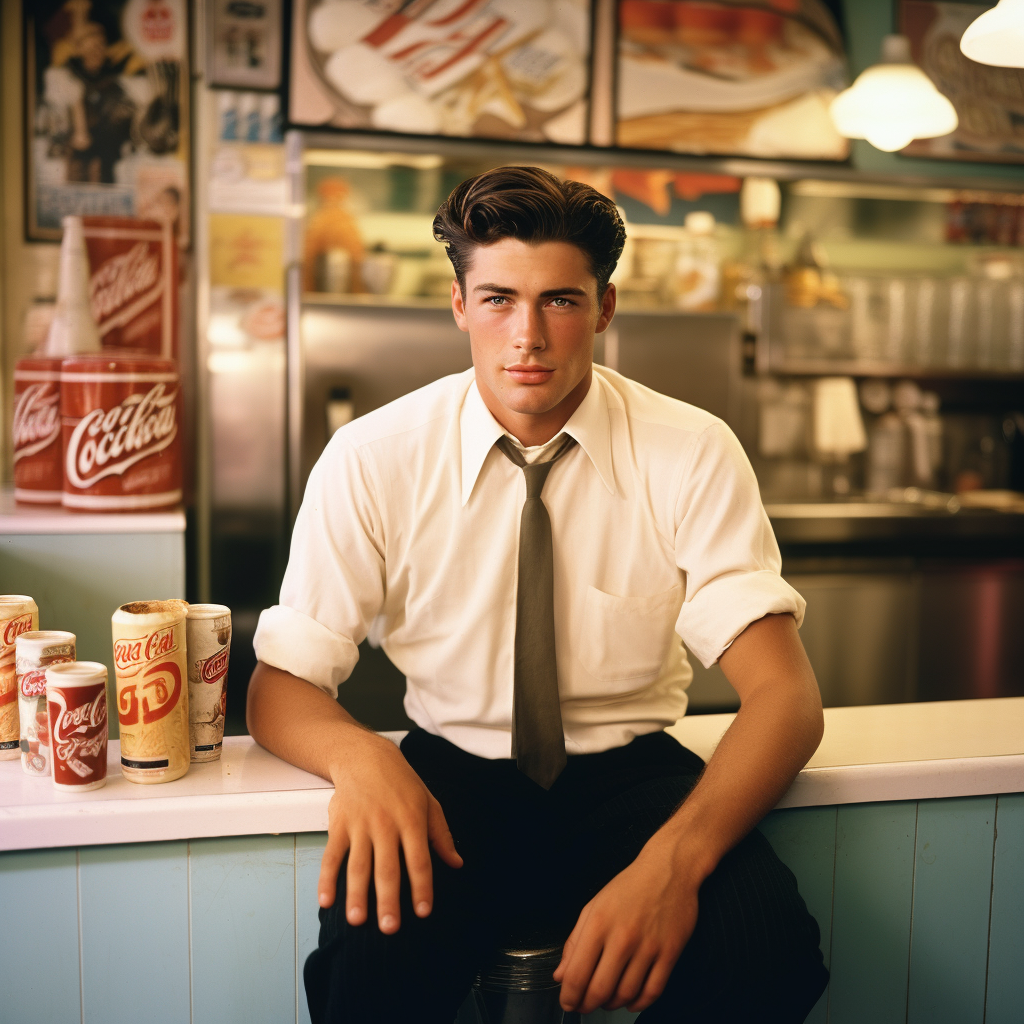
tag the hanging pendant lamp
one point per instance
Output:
(997, 36)
(893, 102)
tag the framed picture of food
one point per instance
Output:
(989, 101)
(504, 69)
(746, 78)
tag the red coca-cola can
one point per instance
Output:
(133, 283)
(38, 472)
(76, 699)
(121, 420)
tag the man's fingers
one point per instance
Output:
(580, 968)
(633, 977)
(387, 878)
(330, 864)
(439, 834)
(357, 879)
(570, 943)
(657, 979)
(615, 958)
(417, 861)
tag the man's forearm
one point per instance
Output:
(776, 731)
(300, 723)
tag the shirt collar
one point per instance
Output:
(589, 425)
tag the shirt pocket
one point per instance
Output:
(627, 638)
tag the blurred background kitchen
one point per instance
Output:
(853, 307)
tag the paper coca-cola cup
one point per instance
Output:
(34, 652)
(152, 689)
(38, 471)
(121, 419)
(208, 641)
(76, 698)
(18, 614)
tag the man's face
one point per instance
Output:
(531, 311)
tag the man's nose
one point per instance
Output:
(529, 329)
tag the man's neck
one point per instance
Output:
(532, 429)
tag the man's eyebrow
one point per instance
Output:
(550, 293)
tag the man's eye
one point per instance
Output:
(497, 300)
(561, 303)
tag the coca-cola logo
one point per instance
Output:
(157, 697)
(33, 684)
(36, 419)
(108, 442)
(132, 653)
(215, 667)
(118, 280)
(79, 732)
(13, 628)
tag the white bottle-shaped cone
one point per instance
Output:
(73, 329)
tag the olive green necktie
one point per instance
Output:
(538, 744)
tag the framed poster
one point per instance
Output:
(107, 114)
(989, 101)
(748, 78)
(504, 69)
(245, 43)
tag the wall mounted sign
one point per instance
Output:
(245, 43)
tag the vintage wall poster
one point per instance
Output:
(745, 79)
(106, 112)
(989, 101)
(245, 43)
(507, 69)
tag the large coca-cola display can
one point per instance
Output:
(152, 689)
(133, 283)
(38, 473)
(18, 614)
(121, 421)
(76, 699)
(35, 652)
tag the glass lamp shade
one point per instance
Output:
(892, 103)
(997, 36)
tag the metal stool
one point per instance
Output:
(517, 988)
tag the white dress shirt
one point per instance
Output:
(410, 522)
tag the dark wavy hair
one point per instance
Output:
(532, 205)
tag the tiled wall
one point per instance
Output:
(921, 907)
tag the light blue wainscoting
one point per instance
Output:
(920, 904)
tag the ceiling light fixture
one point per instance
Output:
(893, 102)
(997, 36)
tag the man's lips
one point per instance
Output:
(529, 374)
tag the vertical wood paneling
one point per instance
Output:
(39, 975)
(805, 840)
(135, 932)
(871, 913)
(952, 886)
(1005, 996)
(243, 930)
(309, 847)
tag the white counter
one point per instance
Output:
(868, 754)
(24, 519)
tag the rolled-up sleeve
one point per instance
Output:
(725, 546)
(334, 584)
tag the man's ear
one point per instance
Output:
(459, 307)
(607, 309)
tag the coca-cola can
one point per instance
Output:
(151, 669)
(38, 470)
(76, 700)
(34, 652)
(208, 640)
(18, 614)
(121, 420)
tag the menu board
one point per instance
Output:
(750, 79)
(989, 101)
(505, 69)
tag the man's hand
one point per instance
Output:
(381, 810)
(629, 936)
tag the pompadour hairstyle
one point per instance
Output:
(532, 205)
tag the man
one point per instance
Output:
(536, 538)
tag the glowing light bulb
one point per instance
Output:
(893, 102)
(997, 36)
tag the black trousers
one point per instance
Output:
(533, 859)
